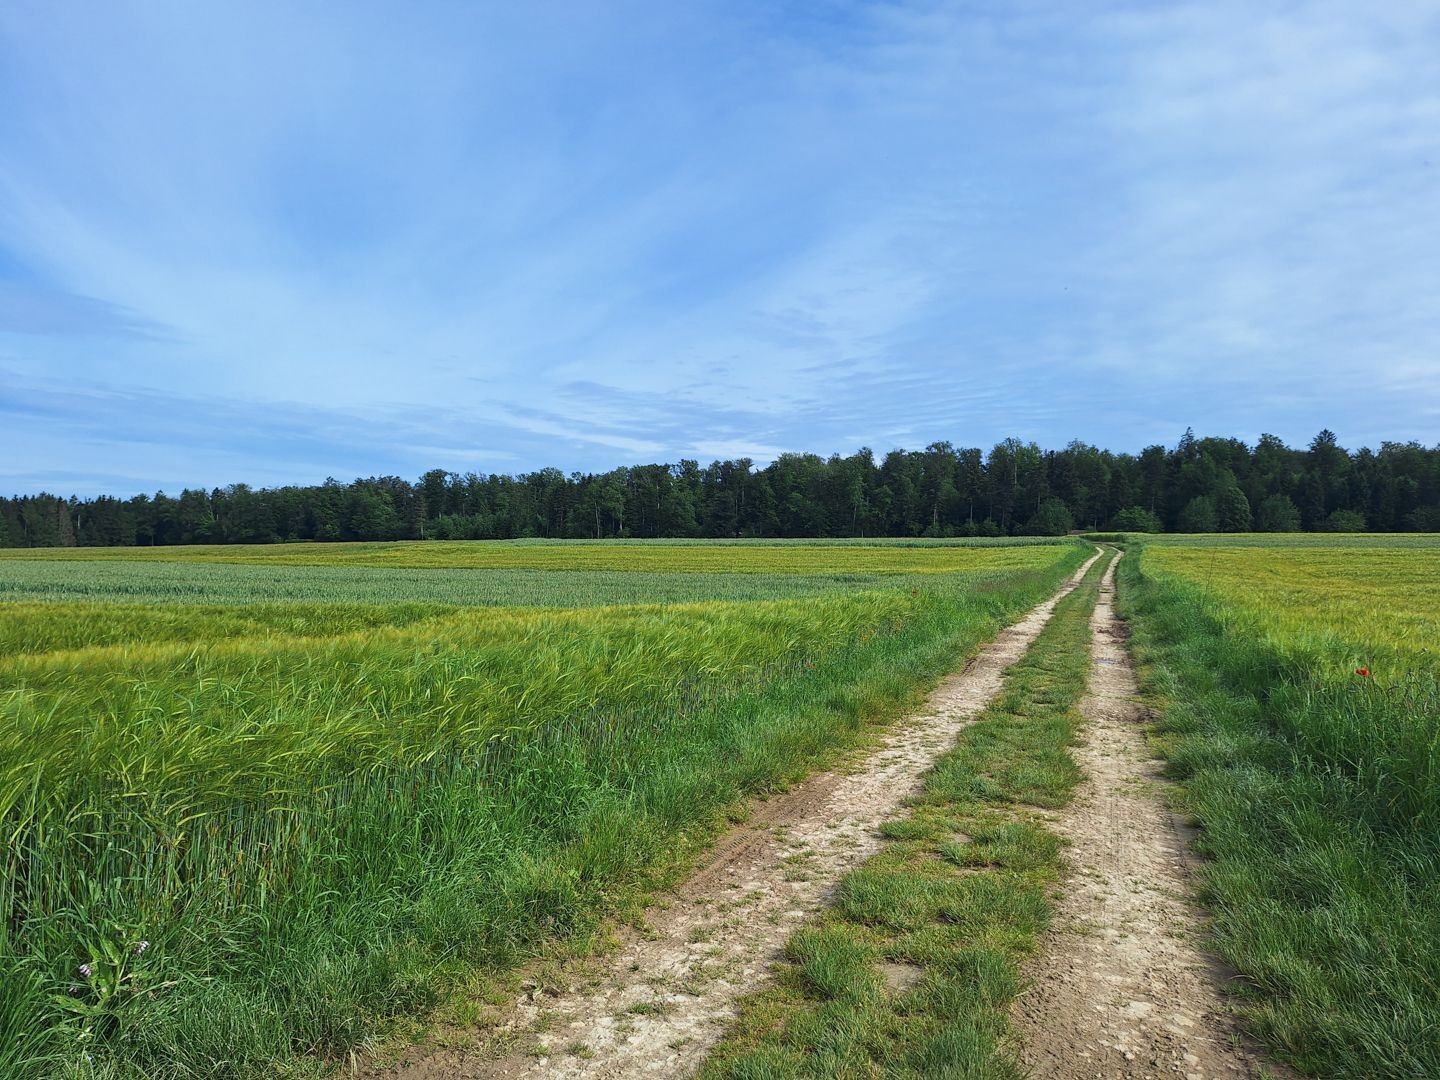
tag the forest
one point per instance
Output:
(1200, 485)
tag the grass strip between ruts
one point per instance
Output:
(912, 972)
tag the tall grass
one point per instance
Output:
(33, 629)
(310, 834)
(1318, 788)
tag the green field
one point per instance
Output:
(1286, 541)
(406, 764)
(193, 582)
(330, 786)
(889, 556)
(1300, 693)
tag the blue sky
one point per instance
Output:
(271, 242)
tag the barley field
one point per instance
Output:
(261, 802)
(1352, 600)
(1300, 690)
(887, 556)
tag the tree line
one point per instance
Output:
(1199, 485)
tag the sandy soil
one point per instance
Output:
(657, 1005)
(1121, 988)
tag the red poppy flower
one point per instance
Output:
(1363, 671)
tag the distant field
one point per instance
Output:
(324, 791)
(638, 556)
(197, 582)
(1301, 687)
(1350, 601)
(572, 574)
(1296, 541)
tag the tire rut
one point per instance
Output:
(1122, 989)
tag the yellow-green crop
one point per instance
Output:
(1350, 603)
(1301, 705)
(646, 556)
(320, 810)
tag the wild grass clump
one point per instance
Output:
(1300, 709)
(230, 853)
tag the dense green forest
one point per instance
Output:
(1200, 485)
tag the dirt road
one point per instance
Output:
(1122, 988)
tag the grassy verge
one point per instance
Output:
(1318, 790)
(911, 974)
(291, 905)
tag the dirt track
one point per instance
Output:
(1122, 989)
(657, 1005)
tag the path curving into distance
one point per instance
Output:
(658, 1004)
(1121, 988)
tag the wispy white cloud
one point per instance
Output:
(667, 232)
